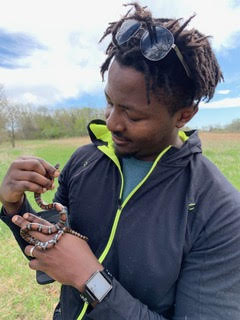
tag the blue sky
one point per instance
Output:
(49, 51)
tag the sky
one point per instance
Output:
(50, 55)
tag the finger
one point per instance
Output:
(43, 235)
(27, 172)
(32, 251)
(50, 170)
(59, 207)
(35, 264)
(36, 166)
(22, 186)
(16, 181)
(33, 176)
(52, 187)
(29, 164)
(35, 219)
(19, 221)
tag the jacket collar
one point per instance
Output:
(102, 138)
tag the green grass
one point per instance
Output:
(20, 296)
(223, 149)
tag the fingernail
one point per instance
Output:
(15, 219)
(26, 216)
(56, 173)
(44, 190)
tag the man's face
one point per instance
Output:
(139, 129)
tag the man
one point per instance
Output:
(162, 221)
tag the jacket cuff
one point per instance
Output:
(7, 219)
(120, 304)
(25, 207)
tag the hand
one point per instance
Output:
(69, 262)
(25, 174)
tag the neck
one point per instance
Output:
(178, 142)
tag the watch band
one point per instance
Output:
(90, 294)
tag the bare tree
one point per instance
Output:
(12, 117)
(9, 114)
(2, 114)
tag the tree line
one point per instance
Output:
(44, 123)
(234, 126)
(19, 121)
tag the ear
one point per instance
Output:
(185, 115)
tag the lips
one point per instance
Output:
(119, 140)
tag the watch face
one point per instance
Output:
(99, 286)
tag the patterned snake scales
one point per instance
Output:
(58, 229)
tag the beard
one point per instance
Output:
(120, 154)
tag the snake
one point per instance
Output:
(57, 229)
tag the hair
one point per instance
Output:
(167, 77)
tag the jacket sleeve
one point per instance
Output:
(120, 305)
(208, 285)
(26, 207)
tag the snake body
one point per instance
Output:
(58, 229)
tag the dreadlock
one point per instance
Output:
(167, 77)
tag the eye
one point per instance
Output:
(134, 119)
(109, 103)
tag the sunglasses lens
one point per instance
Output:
(127, 30)
(157, 48)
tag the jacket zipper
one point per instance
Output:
(120, 208)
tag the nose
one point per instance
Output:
(114, 119)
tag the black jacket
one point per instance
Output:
(173, 246)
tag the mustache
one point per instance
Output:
(119, 135)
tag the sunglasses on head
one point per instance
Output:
(153, 46)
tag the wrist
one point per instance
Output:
(97, 287)
(12, 208)
(86, 275)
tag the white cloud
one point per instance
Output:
(224, 103)
(70, 30)
(29, 98)
(223, 92)
(218, 18)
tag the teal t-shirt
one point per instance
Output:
(134, 171)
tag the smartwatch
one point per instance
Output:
(97, 287)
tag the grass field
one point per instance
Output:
(20, 297)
